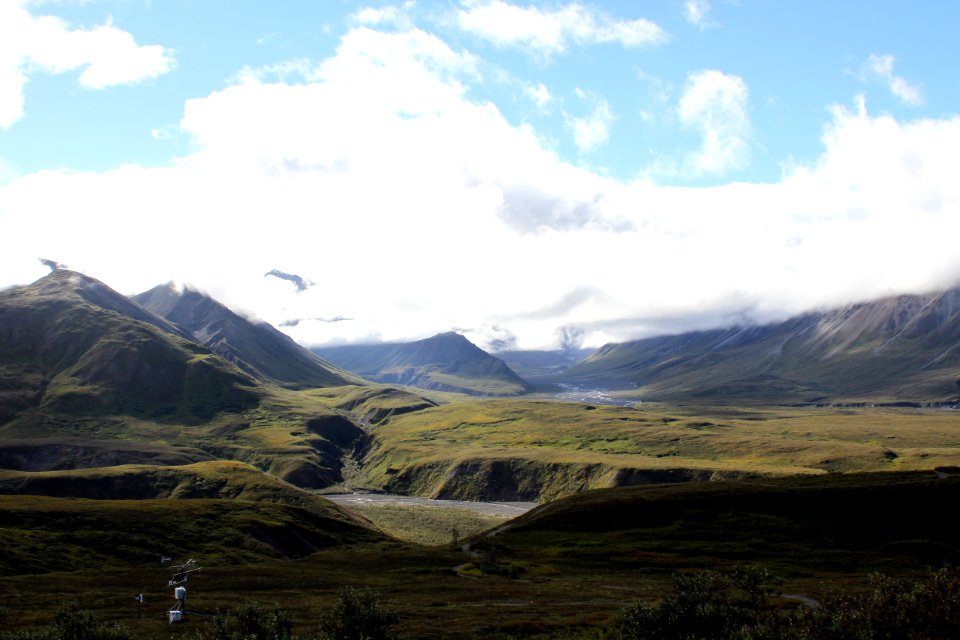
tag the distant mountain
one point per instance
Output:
(897, 349)
(70, 344)
(445, 362)
(255, 347)
(534, 365)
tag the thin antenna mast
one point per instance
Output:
(180, 578)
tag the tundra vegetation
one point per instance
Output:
(124, 438)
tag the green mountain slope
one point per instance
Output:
(69, 344)
(902, 349)
(445, 362)
(256, 347)
(89, 379)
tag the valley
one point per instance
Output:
(167, 425)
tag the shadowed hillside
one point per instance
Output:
(44, 534)
(834, 523)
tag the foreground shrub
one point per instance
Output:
(73, 623)
(714, 606)
(923, 609)
(250, 622)
(357, 616)
(705, 606)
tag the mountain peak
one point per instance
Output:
(72, 285)
(257, 348)
(447, 361)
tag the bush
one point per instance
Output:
(73, 623)
(705, 606)
(713, 606)
(357, 616)
(250, 622)
(923, 609)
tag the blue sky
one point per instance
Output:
(512, 170)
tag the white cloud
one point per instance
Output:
(388, 15)
(715, 105)
(415, 210)
(696, 12)
(539, 94)
(592, 131)
(549, 32)
(287, 70)
(881, 68)
(45, 44)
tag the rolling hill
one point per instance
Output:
(892, 350)
(839, 523)
(445, 362)
(255, 347)
(47, 534)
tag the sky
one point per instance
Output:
(531, 174)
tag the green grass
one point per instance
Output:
(576, 562)
(43, 534)
(498, 448)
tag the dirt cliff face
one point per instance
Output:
(518, 479)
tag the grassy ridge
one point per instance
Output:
(213, 479)
(42, 534)
(226, 511)
(292, 435)
(838, 524)
(498, 449)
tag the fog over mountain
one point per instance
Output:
(464, 167)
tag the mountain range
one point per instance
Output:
(69, 343)
(898, 349)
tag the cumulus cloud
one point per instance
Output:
(697, 13)
(593, 130)
(880, 67)
(549, 32)
(32, 44)
(715, 105)
(539, 94)
(386, 16)
(419, 209)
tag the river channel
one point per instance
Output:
(506, 509)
